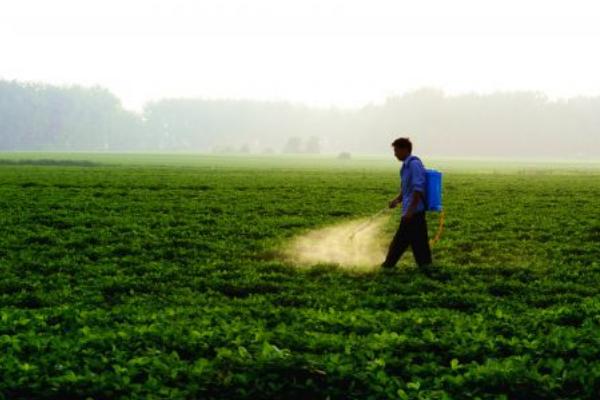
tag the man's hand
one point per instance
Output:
(408, 216)
(395, 202)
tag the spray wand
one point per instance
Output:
(368, 222)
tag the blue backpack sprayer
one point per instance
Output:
(432, 199)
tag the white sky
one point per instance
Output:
(345, 53)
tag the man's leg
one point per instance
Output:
(398, 245)
(420, 240)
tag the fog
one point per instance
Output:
(464, 78)
(510, 124)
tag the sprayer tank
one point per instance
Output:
(433, 191)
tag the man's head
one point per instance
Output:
(402, 148)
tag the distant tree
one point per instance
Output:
(36, 116)
(312, 145)
(293, 146)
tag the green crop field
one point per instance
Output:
(162, 276)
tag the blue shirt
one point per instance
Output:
(412, 179)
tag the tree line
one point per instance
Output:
(36, 116)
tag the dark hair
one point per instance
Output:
(403, 143)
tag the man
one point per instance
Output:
(413, 225)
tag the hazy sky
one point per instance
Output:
(345, 53)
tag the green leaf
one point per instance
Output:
(454, 363)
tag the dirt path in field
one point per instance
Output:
(342, 244)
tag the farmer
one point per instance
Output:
(413, 226)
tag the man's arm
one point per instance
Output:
(414, 203)
(417, 171)
(396, 200)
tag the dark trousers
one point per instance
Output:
(413, 233)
